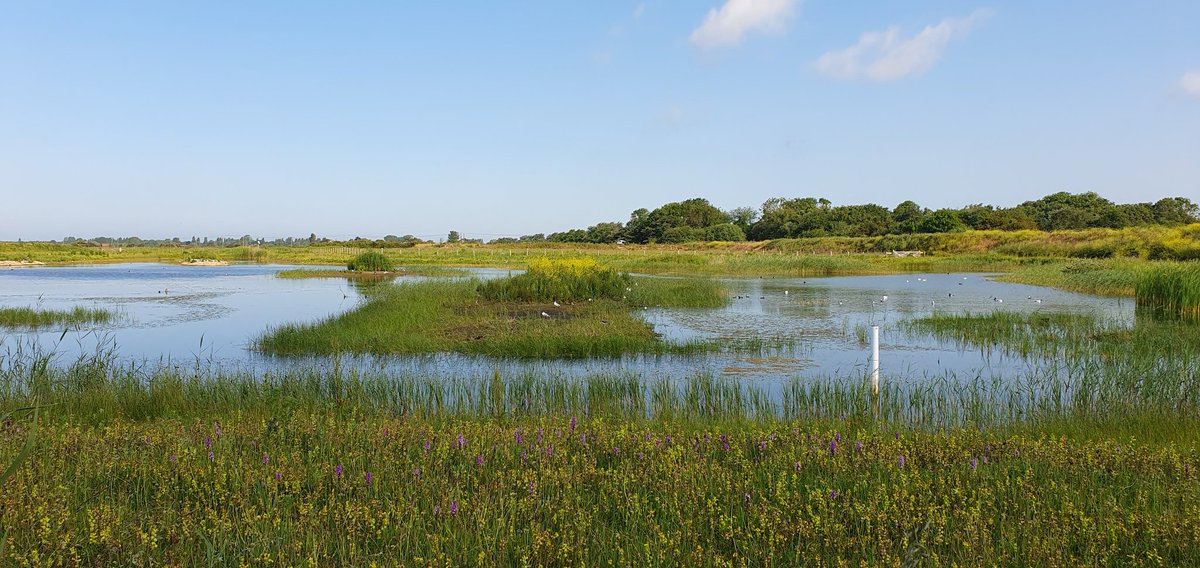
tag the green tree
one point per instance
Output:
(453, 237)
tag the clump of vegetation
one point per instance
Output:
(370, 261)
(34, 318)
(1172, 291)
(570, 280)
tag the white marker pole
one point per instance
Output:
(875, 359)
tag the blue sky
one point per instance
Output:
(163, 119)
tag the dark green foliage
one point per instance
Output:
(1172, 291)
(32, 318)
(371, 261)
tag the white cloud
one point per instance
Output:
(888, 55)
(729, 23)
(1190, 83)
(639, 10)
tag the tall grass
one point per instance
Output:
(370, 261)
(32, 318)
(1171, 290)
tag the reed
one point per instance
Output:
(1172, 291)
(31, 318)
(370, 261)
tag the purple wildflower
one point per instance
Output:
(519, 436)
(974, 464)
(531, 487)
(524, 458)
(479, 459)
(837, 436)
(454, 507)
(266, 457)
(210, 455)
(797, 466)
(833, 493)
(436, 509)
(278, 476)
(174, 458)
(367, 477)
(217, 427)
(648, 435)
(668, 438)
(641, 456)
(462, 442)
(771, 436)
(901, 460)
(858, 445)
(833, 446)
(616, 450)
(208, 442)
(539, 438)
(762, 445)
(550, 450)
(147, 440)
(337, 470)
(428, 444)
(572, 423)
(725, 442)
(416, 472)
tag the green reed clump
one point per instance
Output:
(370, 261)
(1171, 291)
(36, 318)
(571, 279)
(1025, 333)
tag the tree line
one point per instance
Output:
(698, 220)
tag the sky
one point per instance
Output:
(344, 119)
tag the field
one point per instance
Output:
(1087, 457)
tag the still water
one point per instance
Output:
(183, 315)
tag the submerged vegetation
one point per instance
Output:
(31, 318)
(574, 308)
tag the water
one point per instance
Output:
(812, 326)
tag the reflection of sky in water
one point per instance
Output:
(812, 326)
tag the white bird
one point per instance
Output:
(545, 315)
(556, 304)
(885, 298)
(997, 300)
(785, 292)
(1038, 301)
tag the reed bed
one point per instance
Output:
(1171, 290)
(34, 318)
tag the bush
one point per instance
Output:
(370, 261)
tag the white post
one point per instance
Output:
(875, 359)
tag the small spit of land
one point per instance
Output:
(1089, 458)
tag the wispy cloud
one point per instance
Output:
(1190, 83)
(638, 11)
(728, 24)
(888, 55)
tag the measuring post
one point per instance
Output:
(875, 359)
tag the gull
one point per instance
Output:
(545, 315)
(1037, 301)
(884, 298)
(556, 304)
(997, 300)
(785, 292)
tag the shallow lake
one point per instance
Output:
(184, 315)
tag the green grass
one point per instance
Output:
(370, 261)
(452, 316)
(31, 318)
(1172, 291)
(610, 468)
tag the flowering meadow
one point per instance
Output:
(348, 487)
